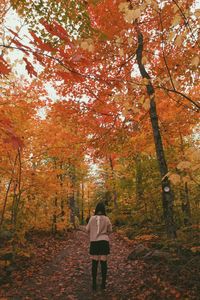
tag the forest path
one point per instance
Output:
(61, 269)
(67, 273)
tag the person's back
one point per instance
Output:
(99, 227)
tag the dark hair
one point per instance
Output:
(100, 209)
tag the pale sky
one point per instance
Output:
(13, 21)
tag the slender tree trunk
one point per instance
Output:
(15, 206)
(7, 192)
(89, 204)
(61, 178)
(54, 222)
(72, 200)
(72, 209)
(184, 195)
(167, 194)
(18, 195)
(184, 192)
(13, 209)
(82, 202)
(139, 186)
(114, 184)
(78, 200)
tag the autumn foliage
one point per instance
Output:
(122, 125)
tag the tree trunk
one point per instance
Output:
(82, 202)
(17, 193)
(184, 195)
(167, 194)
(72, 200)
(139, 186)
(7, 192)
(61, 178)
(54, 222)
(114, 190)
(72, 209)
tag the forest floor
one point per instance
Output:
(60, 269)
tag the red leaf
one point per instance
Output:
(17, 43)
(40, 44)
(29, 67)
(4, 68)
(58, 30)
(14, 33)
(39, 58)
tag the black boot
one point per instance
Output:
(94, 274)
(103, 273)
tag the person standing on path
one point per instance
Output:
(99, 227)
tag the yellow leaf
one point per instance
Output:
(135, 110)
(193, 153)
(118, 40)
(176, 20)
(148, 1)
(7, 38)
(124, 6)
(145, 81)
(134, 85)
(137, 13)
(175, 178)
(141, 100)
(91, 48)
(132, 15)
(186, 179)
(87, 45)
(178, 41)
(196, 167)
(124, 112)
(197, 13)
(144, 60)
(121, 52)
(171, 36)
(195, 61)
(130, 40)
(183, 165)
(146, 104)
(175, 82)
(155, 4)
(175, 8)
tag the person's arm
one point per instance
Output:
(109, 226)
(88, 226)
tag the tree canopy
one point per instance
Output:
(124, 125)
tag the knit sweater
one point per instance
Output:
(98, 227)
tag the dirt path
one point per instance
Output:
(65, 274)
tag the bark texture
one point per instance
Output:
(167, 193)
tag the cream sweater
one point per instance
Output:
(99, 227)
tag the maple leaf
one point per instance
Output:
(4, 68)
(195, 61)
(87, 45)
(175, 178)
(184, 165)
(41, 44)
(30, 68)
(14, 33)
(130, 15)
